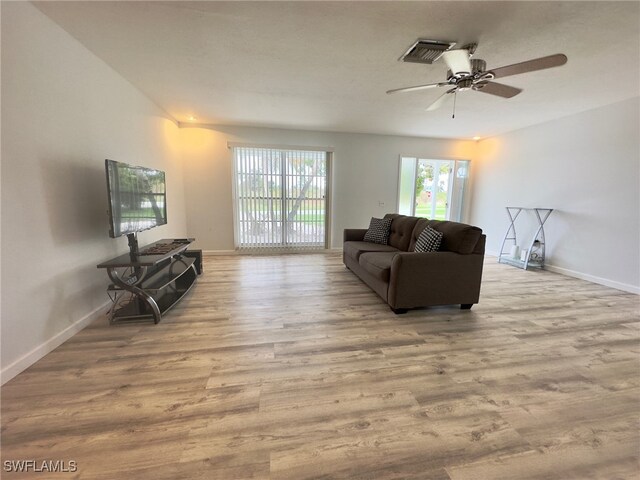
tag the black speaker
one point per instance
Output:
(197, 254)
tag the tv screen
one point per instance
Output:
(137, 198)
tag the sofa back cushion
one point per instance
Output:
(457, 237)
(402, 227)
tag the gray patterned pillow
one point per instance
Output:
(378, 231)
(428, 241)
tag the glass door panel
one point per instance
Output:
(280, 198)
(429, 188)
(406, 186)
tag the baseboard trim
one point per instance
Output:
(220, 252)
(266, 252)
(592, 278)
(48, 346)
(625, 287)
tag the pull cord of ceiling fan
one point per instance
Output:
(455, 95)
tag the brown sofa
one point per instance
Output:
(407, 279)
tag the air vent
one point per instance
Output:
(426, 51)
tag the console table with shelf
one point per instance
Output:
(158, 277)
(535, 255)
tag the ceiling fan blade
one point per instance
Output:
(440, 100)
(457, 61)
(498, 89)
(417, 87)
(530, 66)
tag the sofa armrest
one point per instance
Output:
(434, 278)
(354, 234)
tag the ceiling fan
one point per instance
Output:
(465, 73)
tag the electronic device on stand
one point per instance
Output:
(147, 281)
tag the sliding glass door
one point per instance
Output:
(280, 198)
(432, 188)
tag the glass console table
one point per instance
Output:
(535, 253)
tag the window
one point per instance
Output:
(280, 197)
(432, 188)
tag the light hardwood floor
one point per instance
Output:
(288, 367)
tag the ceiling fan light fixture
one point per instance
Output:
(425, 51)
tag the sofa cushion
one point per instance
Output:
(378, 264)
(378, 231)
(429, 240)
(457, 237)
(355, 249)
(400, 231)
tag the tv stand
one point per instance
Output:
(158, 276)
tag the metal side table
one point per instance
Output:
(536, 251)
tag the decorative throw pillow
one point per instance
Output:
(428, 241)
(378, 231)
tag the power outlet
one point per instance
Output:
(380, 204)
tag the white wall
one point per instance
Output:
(365, 173)
(63, 112)
(587, 167)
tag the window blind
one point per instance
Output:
(280, 198)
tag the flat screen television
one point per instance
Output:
(137, 198)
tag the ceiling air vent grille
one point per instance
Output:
(426, 51)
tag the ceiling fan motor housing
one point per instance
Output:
(478, 67)
(464, 84)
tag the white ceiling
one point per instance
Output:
(327, 65)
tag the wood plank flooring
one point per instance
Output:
(288, 367)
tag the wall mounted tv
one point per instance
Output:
(137, 198)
